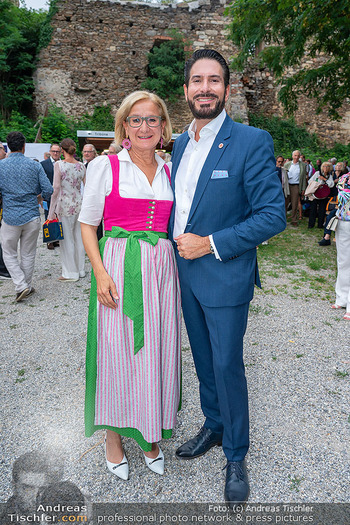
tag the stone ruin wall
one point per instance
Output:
(98, 54)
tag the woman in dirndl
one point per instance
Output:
(133, 342)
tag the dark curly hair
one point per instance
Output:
(15, 141)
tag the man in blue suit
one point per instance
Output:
(228, 200)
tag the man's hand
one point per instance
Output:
(191, 246)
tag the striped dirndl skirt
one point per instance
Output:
(136, 395)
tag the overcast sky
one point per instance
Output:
(36, 4)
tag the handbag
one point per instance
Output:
(311, 188)
(333, 223)
(52, 231)
(322, 192)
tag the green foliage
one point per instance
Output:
(287, 136)
(166, 64)
(46, 28)
(289, 30)
(19, 34)
(57, 126)
(102, 119)
(18, 122)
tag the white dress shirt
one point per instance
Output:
(190, 168)
(294, 173)
(133, 184)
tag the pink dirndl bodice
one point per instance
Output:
(134, 214)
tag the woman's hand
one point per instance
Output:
(107, 291)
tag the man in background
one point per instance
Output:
(89, 153)
(297, 181)
(22, 181)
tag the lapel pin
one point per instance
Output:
(221, 145)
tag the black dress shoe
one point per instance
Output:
(199, 445)
(324, 242)
(56, 244)
(237, 483)
(50, 246)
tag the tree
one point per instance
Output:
(290, 30)
(19, 36)
(166, 64)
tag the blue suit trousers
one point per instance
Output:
(216, 339)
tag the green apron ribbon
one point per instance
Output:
(133, 294)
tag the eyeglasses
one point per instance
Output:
(55, 151)
(136, 121)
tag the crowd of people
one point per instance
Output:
(187, 230)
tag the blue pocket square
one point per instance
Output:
(219, 174)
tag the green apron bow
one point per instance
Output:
(133, 295)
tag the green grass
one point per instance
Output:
(339, 373)
(306, 269)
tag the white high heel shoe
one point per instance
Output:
(157, 464)
(119, 469)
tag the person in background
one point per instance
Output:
(66, 203)
(89, 154)
(47, 155)
(319, 202)
(340, 170)
(342, 237)
(114, 149)
(318, 165)
(297, 185)
(22, 183)
(4, 274)
(309, 168)
(48, 165)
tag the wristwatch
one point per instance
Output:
(211, 248)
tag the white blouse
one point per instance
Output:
(133, 184)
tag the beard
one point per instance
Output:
(205, 112)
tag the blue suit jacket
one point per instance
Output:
(240, 211)
(48, 168)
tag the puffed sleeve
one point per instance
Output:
(97, 186)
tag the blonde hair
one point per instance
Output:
(125, 108)
(330, 166)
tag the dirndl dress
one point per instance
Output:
(135, 392)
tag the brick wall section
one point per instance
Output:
(98, 54)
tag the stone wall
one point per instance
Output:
(98, 54)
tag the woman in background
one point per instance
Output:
(342, 237)
(320, 198)
(66, 204)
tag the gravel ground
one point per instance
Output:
(297, 357)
